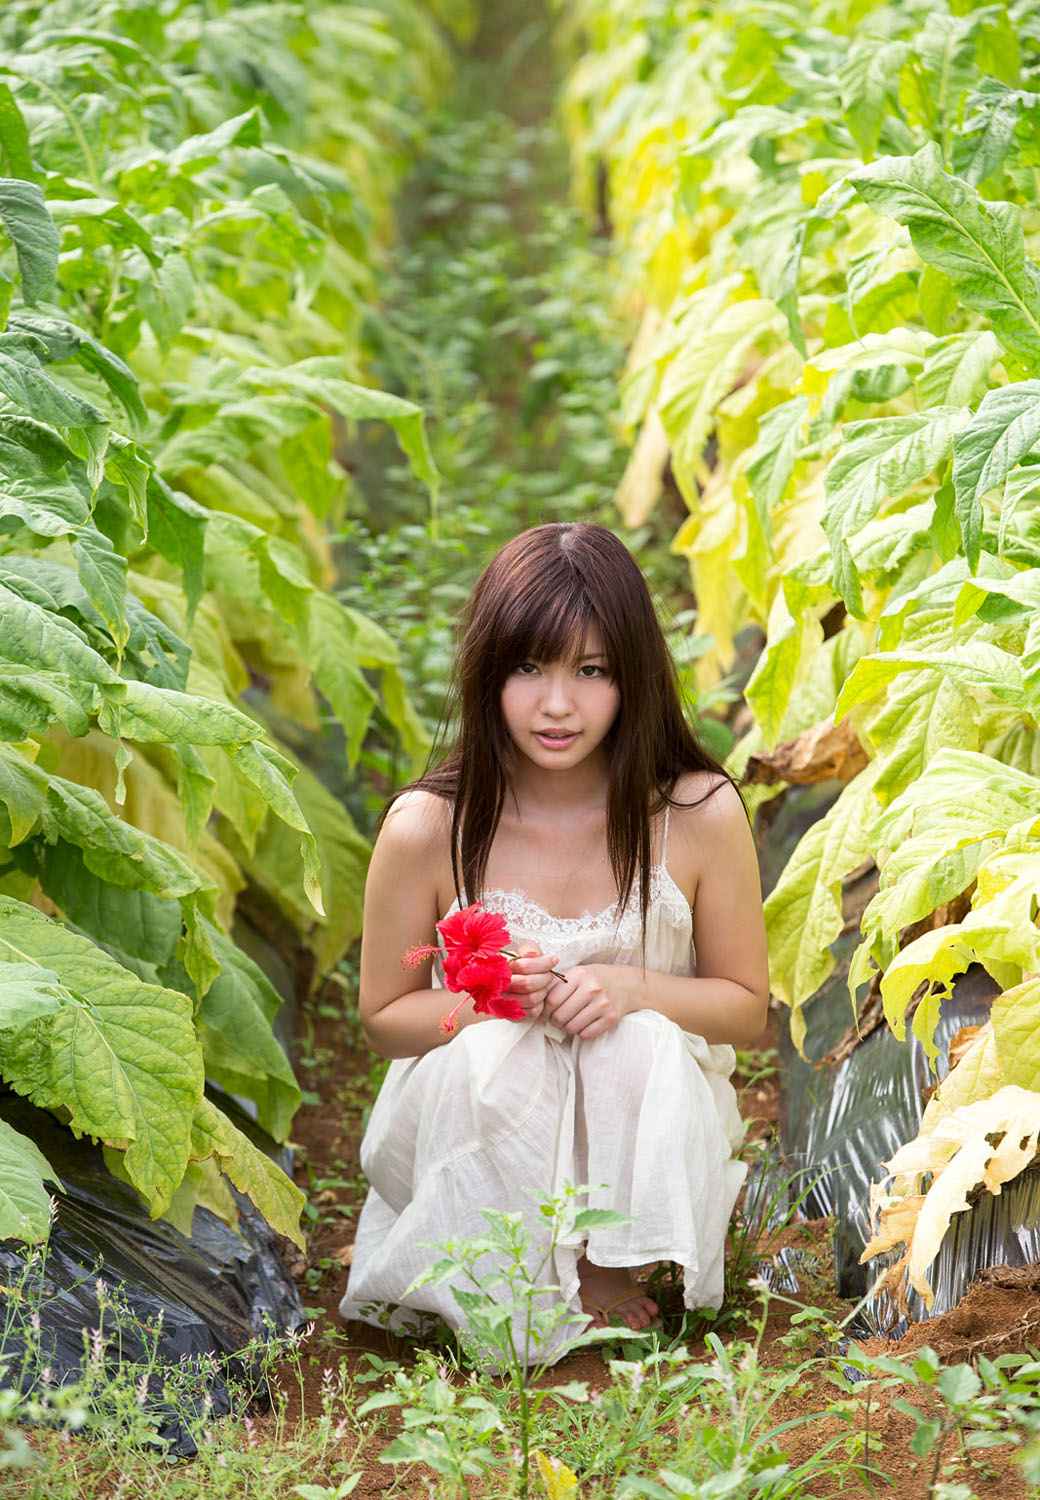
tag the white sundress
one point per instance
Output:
(646, 1109)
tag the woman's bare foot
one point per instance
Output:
(609, 1292)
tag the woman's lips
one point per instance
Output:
(555, 740)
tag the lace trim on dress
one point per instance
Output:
(530, 916)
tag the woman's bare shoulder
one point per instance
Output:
(706, 813)
(418, 822)
(705, 796)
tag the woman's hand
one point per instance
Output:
(591, 1000)
(532, 978)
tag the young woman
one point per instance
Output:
(578, 804)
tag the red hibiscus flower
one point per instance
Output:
(474, 933)
(485, 980)
(474, 963)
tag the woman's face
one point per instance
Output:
(558, 713)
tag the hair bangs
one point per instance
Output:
(547, 623)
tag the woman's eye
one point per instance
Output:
(588, 670)
(526, 669)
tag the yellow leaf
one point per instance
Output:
(983, 1144)
(560, 1483)
(1014, 1111)
(896, 1226)
(1016, 1028)
(643, 479)
(977, 1075)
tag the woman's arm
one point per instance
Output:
(711, 856)
(409, 885)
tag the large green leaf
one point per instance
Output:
(278, 1199)
(337, 670)
(24, 381)
(1002, 431)
(15, 155)
(121, 1056)
(888, 550)
(935, 836)
(993, 115)
(63, 340)
(31, 701)
(272, 776)
(102, 571)
(320, 379)
(978, 665)
(978, 245)
(28, 993)
(154, 652)
(139, 924)
(918, 611)
(951, 51)
(956, 368)
(31, 230)
(804, 910)
(166, 293)
(962, 795)
(198, 151)
(869, 79)
(25, 1205)
(195, 789)
(27, 446)
(113, 849)
(176, 529)
(879, 460)
(162, 715)
(51, 506)
(276, 865)
(1018, 535)
(770, 462)
(240, 1050)
(33, 636)
(919, 717)
(1011, 597)
(23, 792)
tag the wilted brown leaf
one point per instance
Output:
(821, 753)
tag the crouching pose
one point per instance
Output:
(578, 804)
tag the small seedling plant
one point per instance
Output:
(517, 1325)
(961, 1411)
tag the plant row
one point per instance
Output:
(829, 220)
(192, 197)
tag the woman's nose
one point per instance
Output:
(556, 697)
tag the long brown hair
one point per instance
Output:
(535, 602)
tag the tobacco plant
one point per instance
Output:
(830, 220)
(190, 201)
